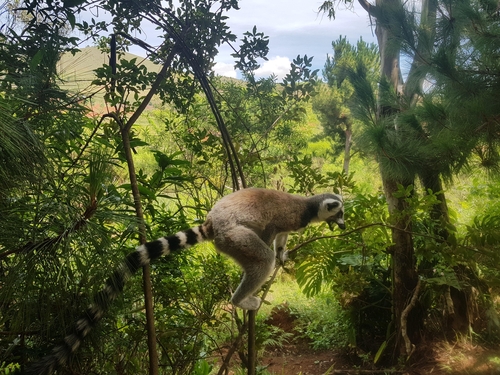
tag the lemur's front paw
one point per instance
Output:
(249, 303)
(282, 257)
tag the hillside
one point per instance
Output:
(77, 71)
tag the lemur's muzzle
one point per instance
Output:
(336, 220)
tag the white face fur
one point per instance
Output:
(332, 211)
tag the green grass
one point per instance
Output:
(319, 319)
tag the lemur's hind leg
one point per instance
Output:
(253, 255)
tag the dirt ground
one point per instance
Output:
(440, 358)
(460, 359)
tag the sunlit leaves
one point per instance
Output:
(307, 178)
(129, 83)
(318, 268)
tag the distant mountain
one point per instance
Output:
(77, 71)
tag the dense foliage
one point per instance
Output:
(85, 175)
(425, 126)
(74, 200)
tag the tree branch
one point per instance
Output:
(404, 319)
(344, 234)
(372, 10)
(154, 88)
(232, 350)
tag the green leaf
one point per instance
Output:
(71, 19)
(35, 61)
(380, 351)
(142, 189)
(72, 3)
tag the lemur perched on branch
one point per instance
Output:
(242, 225)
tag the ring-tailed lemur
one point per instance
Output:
(242, 225)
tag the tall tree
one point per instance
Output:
(405, 127)
(389, 148)
(333, 103)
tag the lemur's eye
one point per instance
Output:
(331, 206)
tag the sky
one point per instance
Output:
(294, 27)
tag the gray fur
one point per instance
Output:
(246, 223)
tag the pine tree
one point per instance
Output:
(428, 125)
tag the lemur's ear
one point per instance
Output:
(331, 206)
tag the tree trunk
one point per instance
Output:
(431, 181)
(348, 144)
(252, 350)
(389, 54)
(405, 276)
(146, 275)
(456, 315)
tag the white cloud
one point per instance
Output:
(279, 66)
(224, 69)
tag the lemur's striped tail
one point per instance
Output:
(143, 255)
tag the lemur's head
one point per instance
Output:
(331, 210)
